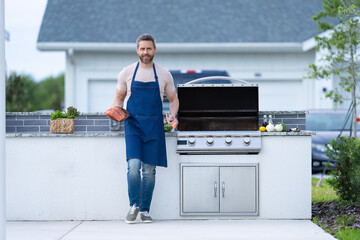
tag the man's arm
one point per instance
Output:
(119, 98)
(174, 105)
(120, 90)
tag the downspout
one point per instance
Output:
(70, 79)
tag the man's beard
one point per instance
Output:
(148, 60)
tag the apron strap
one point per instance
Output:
(156, 77)
(137, 66)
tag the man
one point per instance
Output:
(143, 85)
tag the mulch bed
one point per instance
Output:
(328, 212)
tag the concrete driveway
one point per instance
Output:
(168, 230)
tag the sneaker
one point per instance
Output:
(132, 214)
(145, 217)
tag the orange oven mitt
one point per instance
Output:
(117, 113)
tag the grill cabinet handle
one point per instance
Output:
(215, 189)
(223, 189)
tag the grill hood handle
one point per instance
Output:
(216, 78)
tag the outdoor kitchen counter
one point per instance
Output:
(82, 176)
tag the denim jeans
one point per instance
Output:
(140, 188)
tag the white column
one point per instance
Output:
(2, 124)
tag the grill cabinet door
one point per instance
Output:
(238, 189)
(200, 189)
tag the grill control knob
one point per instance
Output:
(210, 141)
(246, 141)
(191, 141)
(228, 141)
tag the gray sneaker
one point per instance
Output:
(145, 217)
(132, 214)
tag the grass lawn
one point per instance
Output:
(323, 193)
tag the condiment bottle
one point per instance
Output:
(265, 121)
(270, 120)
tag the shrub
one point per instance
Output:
(344, 221)
(346, 175)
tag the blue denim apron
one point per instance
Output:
(144, 129)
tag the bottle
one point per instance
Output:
(265, 121)
(270, 120)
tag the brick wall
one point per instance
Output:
(290, 119)
(32, 123)
(99, 122)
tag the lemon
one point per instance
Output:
(262, 129)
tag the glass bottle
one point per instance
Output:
(270, 120)
(265, 121)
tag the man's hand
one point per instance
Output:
(171, 120)
(117, 113)
(174, 107)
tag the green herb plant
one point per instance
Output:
(283, 125)
(167, 127)
(58, 114)
(71, 113)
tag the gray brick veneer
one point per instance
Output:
(99, 122)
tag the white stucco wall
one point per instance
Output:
(84, 178)
(91, 77)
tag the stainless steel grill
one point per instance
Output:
(218, 118)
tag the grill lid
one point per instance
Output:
(218, 107)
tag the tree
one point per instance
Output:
(23, 94)
(339, 45)
(50, 93)
(19, 93)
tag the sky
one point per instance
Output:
(22, 21)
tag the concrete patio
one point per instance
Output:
(158, 230)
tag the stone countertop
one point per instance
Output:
(301, 133)
(94, 134)
(122, 134)
(103, 113)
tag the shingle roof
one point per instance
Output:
(179, 21)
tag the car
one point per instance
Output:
(328, 124)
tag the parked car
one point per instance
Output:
(328, 125)
(185, 76)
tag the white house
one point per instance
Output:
(265, 42)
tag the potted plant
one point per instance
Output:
(63, 122)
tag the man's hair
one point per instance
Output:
(145, 37)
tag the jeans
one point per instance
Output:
(140, 188)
